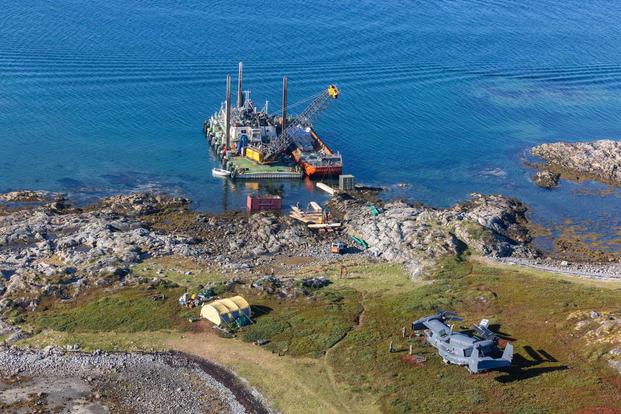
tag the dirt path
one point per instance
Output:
(325, 359)
(289, 384)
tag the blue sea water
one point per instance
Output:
(445, 96)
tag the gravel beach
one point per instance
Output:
(55, 379)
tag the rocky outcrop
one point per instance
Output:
(601, 329)
(56, 250)
(272, 234)
(44, 250)
(418, 236)
(492, 225)
(238, 241)
(546, 179)
(600, 160)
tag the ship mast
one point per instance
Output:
(228, 112)
(240, 73)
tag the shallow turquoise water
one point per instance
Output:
(445, 96)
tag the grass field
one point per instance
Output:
(294, 330)
(181, 271)
(129, 310)
(550, 374)
(329, 352)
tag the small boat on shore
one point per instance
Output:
(219, 172)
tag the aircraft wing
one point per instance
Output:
(420, 324)
(428, 322)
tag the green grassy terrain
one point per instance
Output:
(174, 270)
(551, 373)
(342, 334)
(130, 310)
(307, 330)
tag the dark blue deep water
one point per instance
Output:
(102, 96)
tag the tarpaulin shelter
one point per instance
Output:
(227, 311)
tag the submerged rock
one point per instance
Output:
(29, 196)
(600, 160)
(141, 204)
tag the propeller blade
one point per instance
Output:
(484, 332)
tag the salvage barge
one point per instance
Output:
(252, 144)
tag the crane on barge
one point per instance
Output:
(271, 151)
(254, 144)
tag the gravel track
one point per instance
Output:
(595, 271)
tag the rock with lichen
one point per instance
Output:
(47, 251)
(601, 329)
(418, 236)
(25, 196)
(600, 160)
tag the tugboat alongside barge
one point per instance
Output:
(252, 144)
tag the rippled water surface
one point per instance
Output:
(445, 96)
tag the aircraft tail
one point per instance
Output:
(473, 364)
(507, 354)
(477, 364)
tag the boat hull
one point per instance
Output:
(311, 170)
(320, 171)
(219, 172)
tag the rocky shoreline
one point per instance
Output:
(598, 160)
(52, 249)
(49, 249)
(121, 382)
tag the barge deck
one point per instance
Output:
(243, 168)
(247, 169)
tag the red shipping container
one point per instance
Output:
(265, 202)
